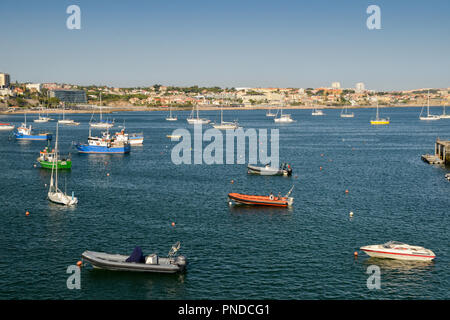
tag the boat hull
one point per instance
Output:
(266, 171)
(260, 200)
(62, 164)
(60, 198)
(116, 262)
(397, 256)
(83, 148)
(198, 121)
(399, 251)
(379, 122)
(42, 137)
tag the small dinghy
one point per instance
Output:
(137, 262)
(255, 200)
(447, 176)
(284, 170)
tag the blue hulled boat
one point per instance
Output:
(24, 133)
(106, 144)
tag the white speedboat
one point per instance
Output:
(399, 250)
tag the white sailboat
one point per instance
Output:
(54, 193)
(284, 118)
(170, 117)
(444, 115)
(269, 113)
(198, 120)
(428, 116)
(40, 118)
(317, 112)
(67, 121)
(104, 124)
(345, 113)
(225, 125)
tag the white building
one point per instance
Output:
(336, 85)
(6, 92)
(4, 80)
(360, 87)
(34, 86)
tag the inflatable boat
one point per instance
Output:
(284, 170)
(136, 261)
(270, 200)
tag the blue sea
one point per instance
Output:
(234, 252)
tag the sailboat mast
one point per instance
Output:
(56, 159)
(377, 111)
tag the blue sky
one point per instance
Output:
(228, 43)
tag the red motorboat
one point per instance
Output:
(270, 200)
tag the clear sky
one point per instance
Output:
(228, 43)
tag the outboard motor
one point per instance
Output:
(289, 170)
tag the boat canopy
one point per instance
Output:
(136, 256)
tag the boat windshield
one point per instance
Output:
(393, 243)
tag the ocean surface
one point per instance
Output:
(234, 252)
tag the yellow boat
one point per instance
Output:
(379, 120)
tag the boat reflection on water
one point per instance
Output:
(242, 209)
(149, 284)
(400, 266)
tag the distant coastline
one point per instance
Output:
(108, 109)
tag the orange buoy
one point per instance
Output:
(27, 213)
(320, 168)
(232, 181)
(79, 264)
(107, 174)
(355, 254)
(173, 224)
(346, 190)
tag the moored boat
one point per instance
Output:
(284, 170)
(399, 250)
(25, 133)
(283, 118)
(137, 262)
(46, 159)
(54, 194)
(256, 200)
(105, 144)
(132, 138)
(378, 120)
(6, 126)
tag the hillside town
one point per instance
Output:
(15, 95)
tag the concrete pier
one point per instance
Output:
(441, 153)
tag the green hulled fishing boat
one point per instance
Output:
(46, 159)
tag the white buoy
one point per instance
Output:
(351, 213)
